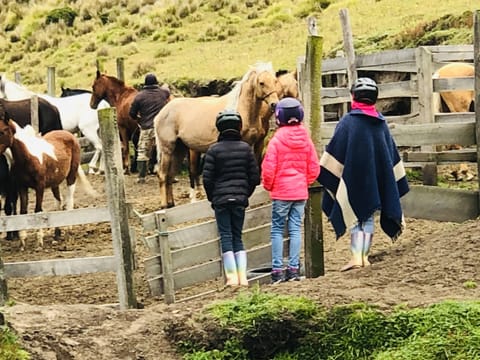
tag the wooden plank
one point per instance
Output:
(54, 219)
(464, 155)
(58, 267)
(455, 117)
(337, 95)
(434, 203)
(190, 212)
(445, 49)
(449, 84)
(386, 57)
(434, 134)
(395, 58)
(408, 119)
(422, 134)
(197, 254)
(198, 233)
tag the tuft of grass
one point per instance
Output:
(10, 348)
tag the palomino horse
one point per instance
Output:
(120, 96)
(455, 101)
(458, 100)
(75, 113)
(189, 123)
(40, 163)
(287, 87)
(288, 83)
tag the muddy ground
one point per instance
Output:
(77, 317)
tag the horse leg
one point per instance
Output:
(92, 165)
(22, 234)
(125, 150)
(11, 207)
(58, 198)
(194, 158)
(38, 208)
(162, 174)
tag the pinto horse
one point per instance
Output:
(189, 123)
(40, 163)
(120, 96)
(75, 113)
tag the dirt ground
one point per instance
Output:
(77, 317)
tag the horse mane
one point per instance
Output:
(234, 94)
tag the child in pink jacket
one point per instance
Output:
(290, 165)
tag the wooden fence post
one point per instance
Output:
(117, 206)
(3, 284)
(425, 102)
(348, 47)
(120, 69)
(167, 265)
(51, 80)
(314, 115)
(476, 59)
(314, 254)
(34, 113)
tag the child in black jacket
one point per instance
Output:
(230, 175)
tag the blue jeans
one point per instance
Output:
(366, 226)
(230, 220)
(281, 211)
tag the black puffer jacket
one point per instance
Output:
(230, 172)
(146, 105)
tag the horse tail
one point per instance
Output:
(85, 184)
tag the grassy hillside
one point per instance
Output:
(205, 40)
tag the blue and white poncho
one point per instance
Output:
(362, 172)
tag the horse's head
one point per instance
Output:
(7, 130)
(287, 84)
(99, 90)
(70, 92)
(266, 86)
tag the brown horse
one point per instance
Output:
(120, 96)
(40, 163)
(189, 123)
(458, 100)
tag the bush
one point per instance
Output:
(66, 14)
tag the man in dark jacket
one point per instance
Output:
(230, 175)
(146, 105)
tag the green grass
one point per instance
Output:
(269, 326)
(205, 40)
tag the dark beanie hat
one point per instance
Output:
(151, 79)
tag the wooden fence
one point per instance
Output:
(122, 262)
(185, 246)
(422, 127)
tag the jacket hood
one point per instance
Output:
(293, 137)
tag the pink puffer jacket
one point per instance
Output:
(290, 164)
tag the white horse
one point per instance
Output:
(75, 114)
